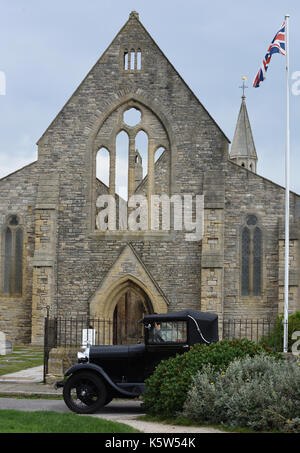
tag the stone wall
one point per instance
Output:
(70, 143)
(18, 196)
(67, 261)
(60, 359)
(248, 193)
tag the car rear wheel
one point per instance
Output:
(85, 393)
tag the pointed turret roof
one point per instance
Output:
(243, 143)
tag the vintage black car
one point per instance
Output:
(106, 372)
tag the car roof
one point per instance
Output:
(181, 315)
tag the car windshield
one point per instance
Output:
(168, 332)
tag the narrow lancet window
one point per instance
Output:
(251, 258)
(18, 261)
(139, 60)
(7, 260)
(122, 152)
(257, 253)
(245, 262)
(13, 257)
(102, 166)
(126, 61)
(141, 145)
(132, 59)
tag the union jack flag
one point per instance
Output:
(277, 46)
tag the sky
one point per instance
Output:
(48, 47)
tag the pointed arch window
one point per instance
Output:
(122, 163)
(142, 145)
(103, 165)
(257, 258)
(246, 261)
(13, 256)
(251, 258)
(132, 140)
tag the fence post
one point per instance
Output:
(46, 352)
(50, 341)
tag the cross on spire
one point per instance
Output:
(243, 87)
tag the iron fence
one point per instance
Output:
(252, 329)
(264, 331)
(69, 332)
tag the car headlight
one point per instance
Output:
(83, 356)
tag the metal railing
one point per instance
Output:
(77, 332)
(68, 332)
(264, 331)
(253, 329)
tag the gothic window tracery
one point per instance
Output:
(251, 258)
(134, 140)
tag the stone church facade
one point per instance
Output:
(53, 253)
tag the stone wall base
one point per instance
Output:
(60, 359)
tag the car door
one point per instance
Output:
(163, 342)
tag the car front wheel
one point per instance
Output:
(85, 393)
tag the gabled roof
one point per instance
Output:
(243, 143)
(17, 171)
(133, 17)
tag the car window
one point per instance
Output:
(168, 332)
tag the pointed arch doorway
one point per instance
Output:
(131, 304)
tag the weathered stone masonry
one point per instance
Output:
(75, 269)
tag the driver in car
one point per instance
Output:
(157, 334)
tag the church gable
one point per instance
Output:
(132, 64)
(132, 73)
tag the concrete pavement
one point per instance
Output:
(32, 375)
(27, 382)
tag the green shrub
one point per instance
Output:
(275, 339)
(167, 388)
(259, 392)
(292, 426)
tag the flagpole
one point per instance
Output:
(287, 195)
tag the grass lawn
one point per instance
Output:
(12, 421)
(22, 357)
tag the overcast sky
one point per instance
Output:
(47, 48)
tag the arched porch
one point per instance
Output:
(122, 304)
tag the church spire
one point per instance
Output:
(243, 150)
